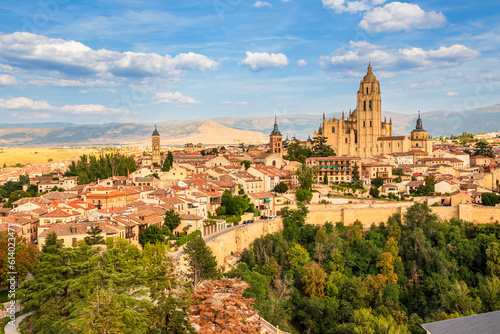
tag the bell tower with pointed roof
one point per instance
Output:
(276, 140)
(369, 113)
(155, 147)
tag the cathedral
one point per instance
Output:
(364, 133)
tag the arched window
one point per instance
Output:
(346, 140)
(274, 163)
(366, 90)
(370, 105)
(364, 105)
(333, 129)
(370, 124)
(364, 125)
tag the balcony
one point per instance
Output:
(129, 235)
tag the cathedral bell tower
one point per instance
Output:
(369, 114)
(276, 140)
(155, 146)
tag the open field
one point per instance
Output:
(12, 156)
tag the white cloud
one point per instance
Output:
(400, 16)
(426, 84)
(302, 62)
(31, 115)
(358, 54)
(452, 94)
(19, 104)
(71, 58)
(257, 61)
(238, 104)
(176, 97)
(260, 4)
(342, 6)
(7, 80)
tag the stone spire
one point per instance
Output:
(419, 122)
(276, 131)
(155, 132)
(369, 75)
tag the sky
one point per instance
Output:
(100, 61)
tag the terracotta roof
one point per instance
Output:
(79, 228)
(59, 213)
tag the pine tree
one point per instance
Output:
(94, 236)
(201, 261)
(170, 296)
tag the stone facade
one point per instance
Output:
(364, 133)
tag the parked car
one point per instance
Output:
(272, 216)
(264, 217)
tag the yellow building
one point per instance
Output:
(363, 133)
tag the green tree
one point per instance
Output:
(246, 163)
(303, 195)
(306, 176)
(314, 280)
(483, 149)
(325, 179)
(355, 173)
(281, 188)
(171, 297)
(298, 153)
(201, 261)
(374, 192)
(235, 205)
(298, 257)
(172, 219)
(493, 259)
(398, 171)
(377, 182)
(321, 149)
(151, 235)
(94, 236)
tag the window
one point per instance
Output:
(346, 140)
(364, 105)
(333, 129)
(364, 124)
(366, 90)
(370, 121)
(370, 105)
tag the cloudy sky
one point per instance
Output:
(99, 61)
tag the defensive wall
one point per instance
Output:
(376, 213)
(228, 243)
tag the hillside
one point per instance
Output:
(232, 130)
(173, 133)
(438, 123)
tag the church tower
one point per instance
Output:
(155, 145)
(276, 140)
(369, 114)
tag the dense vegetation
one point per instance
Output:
(295, 152)
(91, 168)
(388, 279)
(112, 288)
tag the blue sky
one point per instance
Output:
(102, 61)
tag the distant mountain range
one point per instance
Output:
(232, 130)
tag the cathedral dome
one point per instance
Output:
(369, 77)
(419, 127)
